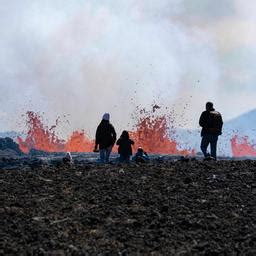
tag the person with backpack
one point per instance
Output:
(211, 123)
(125, 147)
(105, 138)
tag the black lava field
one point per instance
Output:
(172, 208)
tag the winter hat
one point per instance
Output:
(106, 117)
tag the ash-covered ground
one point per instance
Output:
(161, 208)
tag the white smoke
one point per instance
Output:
(84, 59)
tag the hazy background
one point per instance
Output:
(83, 58)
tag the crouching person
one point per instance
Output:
(67, 159)
(141, 156)
(125, 147)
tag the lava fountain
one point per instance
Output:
(153, 136)
(241, 147)
(41, 137)
(150, 132)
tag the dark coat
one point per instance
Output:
(105, 135)
(125, 146)
(211, 123)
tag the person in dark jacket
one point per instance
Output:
(211, 123)
(141, 156)
(125, 147)
(105, 138)
(67, 159)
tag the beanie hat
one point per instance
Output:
(106, 117)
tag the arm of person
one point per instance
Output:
(202, 120)
(113, 134)
(97, 138)
(221, 122)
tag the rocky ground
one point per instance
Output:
(170, 208)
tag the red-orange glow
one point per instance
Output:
(152, 135)
(241, 147)
(79, 142)
(43, 138)
(40, 137)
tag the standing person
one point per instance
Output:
(211, 123)
(105, 138)
(125, 147)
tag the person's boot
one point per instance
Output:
(208, 157)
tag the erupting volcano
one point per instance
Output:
(151, 132)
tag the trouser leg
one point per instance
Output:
(127, 159)
(108, 152)
(124, 159)
(204, 145)
(121, 158)
(102, 155)
(213, 145)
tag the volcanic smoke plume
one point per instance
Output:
(89, 57)
(84, 58)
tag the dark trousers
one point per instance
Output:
(124, 159)
(104, 154)
(212, 140)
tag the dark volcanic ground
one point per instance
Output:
(175, 208)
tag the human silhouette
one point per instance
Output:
(105, 138)
(211, 123)
(141, 156)
(125, 147)
(68, 158)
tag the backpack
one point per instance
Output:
(215, 122)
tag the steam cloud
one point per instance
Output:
(85, 59)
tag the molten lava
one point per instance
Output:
(151, 133)
(241, 147)
(41, 137)
(79, 142)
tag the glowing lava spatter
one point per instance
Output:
(79, 142)
(151, 132)
(241, 147)
(41, 137)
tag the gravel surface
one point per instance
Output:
(173, 208)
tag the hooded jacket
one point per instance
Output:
(105, 134)
(211, 122)
(125, 146)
